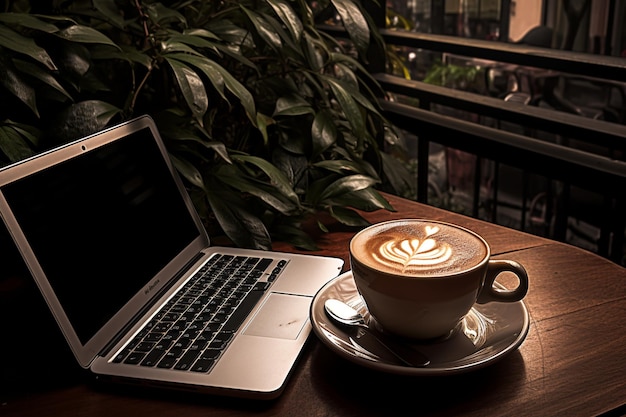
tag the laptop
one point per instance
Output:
(122, 259)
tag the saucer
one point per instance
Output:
(487, 333)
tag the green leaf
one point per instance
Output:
(216, 146)
(11, 79)
(292, 100)
(289, 45)
(340, 166)
(347, 185)
(295, 167)
(191, 40)
(365, 167)
(288, 17)
(45, 77)
(23, 45)
(241, 226)
(351, 62)
(264, 29)
(219, 78)
(233, 177)
(237, 56)
(28, 21)
(353, 91)
(28, 132)
(349, 106)
(355, 24)
(312, 52)
(128, 53)
(346, 75)
(13, 144)
(292, 105)
(231, 33)
(294, 235)
(85, 34)
(398, 175)
(262, 122)
(108, 9)
(348, 216)
(160, 14)
(201, 33)
(171, 46)
(238, 89)
(367, 199)
(192, 88)
(83, 118)
(219, 148)
(100, 111)
(295, 111)
(363, 101)
(323, 132)
(188, 170)
(317, 187)
(291, 138)
(315, 82)
(277, 178)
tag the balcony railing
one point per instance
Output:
(576, 152)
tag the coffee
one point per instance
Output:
(418, 248)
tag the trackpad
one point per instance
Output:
(282, 316)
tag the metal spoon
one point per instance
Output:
(344, 314)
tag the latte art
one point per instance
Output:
(413, 252)
(418, 248)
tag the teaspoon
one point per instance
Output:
(344, 314)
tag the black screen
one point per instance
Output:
(102, 225)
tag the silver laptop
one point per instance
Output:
(115, 246)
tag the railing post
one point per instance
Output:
(423, 152)
(437, 13)
(505, 19)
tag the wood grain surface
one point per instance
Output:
(573, 362)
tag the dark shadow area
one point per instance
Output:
(352, 389)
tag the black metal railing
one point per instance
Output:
(555, 158)
(570, 166)
(600, 66)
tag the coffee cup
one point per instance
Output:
(419, 278)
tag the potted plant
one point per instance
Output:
(268, 119)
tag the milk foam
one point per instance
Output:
(418, 248)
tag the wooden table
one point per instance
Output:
(573, 362)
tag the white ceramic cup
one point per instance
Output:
(419, 277)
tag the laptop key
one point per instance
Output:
(206, 360)
(263, 264)
(187, 360)
(210, 354)
(134, 358)
(153, 357)
(145, 346)
(203, 365)
(168, 361)
(120, 356)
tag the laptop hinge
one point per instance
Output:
(142, 312)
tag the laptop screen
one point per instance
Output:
(74, 213)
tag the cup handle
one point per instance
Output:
(490, 293)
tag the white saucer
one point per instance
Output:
(488, 333)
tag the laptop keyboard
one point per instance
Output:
(199, 321)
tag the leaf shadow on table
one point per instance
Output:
(351, 389)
